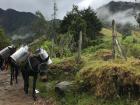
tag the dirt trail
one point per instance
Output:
(14, 95)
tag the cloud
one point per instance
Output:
(85, 3)
(96, 3)
(16, 37)
(46, 6)
(122, 17)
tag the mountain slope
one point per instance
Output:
(14, 22)
(122, 12)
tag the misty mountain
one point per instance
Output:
(15, 22)
(122, 12)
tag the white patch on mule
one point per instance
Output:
(43, 54)
(49, 61)
(36, 91)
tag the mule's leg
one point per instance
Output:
(12, 73)
(23, 75)
(34, 86)
(26, 83)
(1, 64)
(16, 73)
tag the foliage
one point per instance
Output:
(104, 54)
(81, 20)
(131, 46)
(77, 25)
(135, 50)
(64, 70)
(47, 46)
(94, 25)
(104, 78)
(62, 46)
(4, 41)
(65, 44)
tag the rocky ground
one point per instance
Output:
(14, 95)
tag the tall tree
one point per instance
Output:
(93, 23)
(78, 24)
(81, 20)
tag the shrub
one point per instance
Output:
(135, 50)
(104, 54)
(47, 45)
(4, 41)
(64, 70)
(110, 79)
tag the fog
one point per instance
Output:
(16, 37)
(123, 17)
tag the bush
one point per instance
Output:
(131, 46)
(47, 45)
(104, 54)
(64, 70)
(4, 41)
(135, 50)
(111, 79)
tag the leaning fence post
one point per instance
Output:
(113, 39)
(79, 47)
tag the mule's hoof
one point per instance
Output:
(35, 98)
(26, 92)
(11, 83)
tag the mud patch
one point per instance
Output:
(14, 95)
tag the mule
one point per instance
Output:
(31, 68)
(5, 56)
(16, 60)
(14, 71)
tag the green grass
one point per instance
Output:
(107, 34)
(92, 65)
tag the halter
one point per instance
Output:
(38, 68)
(30, 66)
(44, 62)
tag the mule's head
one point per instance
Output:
(43, 56)
(45, 61)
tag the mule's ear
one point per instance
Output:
(49, 61)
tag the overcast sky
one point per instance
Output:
(46, 6)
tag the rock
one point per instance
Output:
(64, 87)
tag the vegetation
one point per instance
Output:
(4, 41)
(100, 81)
(81, 20)
(97, 79)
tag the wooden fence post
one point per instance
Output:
(79, 47)
(116, 43)
(113, 39)
(52, 49)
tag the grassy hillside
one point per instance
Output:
(98, 80)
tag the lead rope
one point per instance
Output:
(30, 63)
